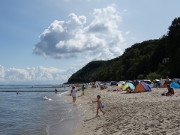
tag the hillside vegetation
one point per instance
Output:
(150, 59)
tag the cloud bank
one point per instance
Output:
(101, 39)
(35, 75)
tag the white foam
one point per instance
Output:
(63, 93)
(46, 98)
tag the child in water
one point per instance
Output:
(73, 94)
(99, 105)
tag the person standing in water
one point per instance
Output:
(73, 94)
(55, 90)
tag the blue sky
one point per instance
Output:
(45, 41)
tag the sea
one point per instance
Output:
(37, 110)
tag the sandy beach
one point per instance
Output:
(146, 113)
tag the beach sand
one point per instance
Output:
(146, 113)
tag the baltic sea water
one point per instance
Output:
(27, 113)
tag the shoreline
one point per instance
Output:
(79, 111)
(136, 113)
(89, 114)
(70, 116)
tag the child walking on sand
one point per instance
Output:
(99, 105)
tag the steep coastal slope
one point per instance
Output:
(149, 59)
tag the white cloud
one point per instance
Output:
(35, 74)
(2, 73)
(16, 74)
(99, 40)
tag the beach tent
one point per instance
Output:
(136, 83)
(142, 87)
(120, 85)
(121, 82)
(151, 85)
(175, 85)
(128, 85)
(113, 83)
(108, 83)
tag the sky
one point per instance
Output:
(46, 41)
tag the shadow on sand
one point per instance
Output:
(92, 118)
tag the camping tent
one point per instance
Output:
(151, 85)
(121, 82)
(107, 83)
(120, 85)
(113, 83)
(175, 85)
(142, 87)
(128, 85)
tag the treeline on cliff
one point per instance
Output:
(150, 59)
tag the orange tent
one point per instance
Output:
(142, 87)
(139, 88)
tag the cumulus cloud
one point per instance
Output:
(16, 74)
(35, 74)
(101, 39)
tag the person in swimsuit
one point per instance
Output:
(73, 93)
(99, 105)
(170, 91)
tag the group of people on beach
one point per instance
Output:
(99, 104)
(129, 90)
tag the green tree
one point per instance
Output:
(140, 76)
(152, 76)
(174, 47)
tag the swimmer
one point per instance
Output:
(55, 90)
